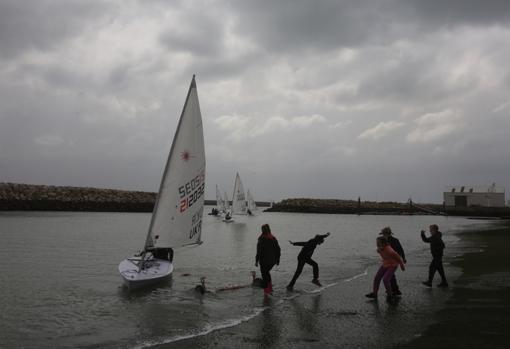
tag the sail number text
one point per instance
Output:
(196, 224)
(191, 192)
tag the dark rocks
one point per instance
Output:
(15, 196)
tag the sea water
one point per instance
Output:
(60, 287)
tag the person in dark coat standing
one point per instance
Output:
(305, 257)
(436, 248)
(268, 254)
(397, 247)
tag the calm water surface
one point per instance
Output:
(60, 286)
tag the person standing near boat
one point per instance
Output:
(397, 247)
(436, 248)
(305, 257)
(390, 261)
(268, 254)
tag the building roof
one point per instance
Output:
(475, 189)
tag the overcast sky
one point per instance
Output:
(383, 99)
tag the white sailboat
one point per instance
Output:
(252, 205)
(228, 213)
(227, 203)
(220, 204)
(177, 216)
(239, 198)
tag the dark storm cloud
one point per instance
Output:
(365, 95)
(43, 24)
(280, 26)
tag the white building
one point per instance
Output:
(475, 196)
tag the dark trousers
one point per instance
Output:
(264, 271)
(436, 265)
(299, 269)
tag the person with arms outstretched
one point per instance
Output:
(305, 257)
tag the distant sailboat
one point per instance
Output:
(227, 203)
(220, 205)
(177, 216)
(239, 198)
(252, 205)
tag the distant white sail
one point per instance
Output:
(177, 217)
(225, 200)
(238, 198)
(220, 204)
(252, 205)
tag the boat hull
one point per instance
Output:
(154, 271)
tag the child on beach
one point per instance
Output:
(268, 254)
(395, 245)
(305, 256)
(436, 248)
(390, 261)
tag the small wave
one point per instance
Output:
(365, 273)
(206, 330)
(320, 289)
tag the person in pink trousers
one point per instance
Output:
(390, 261)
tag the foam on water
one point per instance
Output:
(206, 330)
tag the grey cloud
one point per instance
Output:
(42, 25)
(301, 25)
(198, 33)
(455, 12)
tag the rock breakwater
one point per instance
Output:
(15, 196)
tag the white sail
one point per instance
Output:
(252, 205)
(238, 198)
(220, 204)
(225, 200)
(177, 217)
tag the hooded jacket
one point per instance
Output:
(268, 250)
(436, 243)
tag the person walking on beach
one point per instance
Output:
(390, 261)
(268, 254)
(436, 248)
(397, 247)
(305, 256)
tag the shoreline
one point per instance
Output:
(473, 312)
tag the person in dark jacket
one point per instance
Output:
(436, 248)
(397, 247)
(305, 257)
(268, 254)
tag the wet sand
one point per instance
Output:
(473, 312)
(477, 315)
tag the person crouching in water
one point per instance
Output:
(397, 247)
(305, 256)
(268, 254)
(390, 261)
